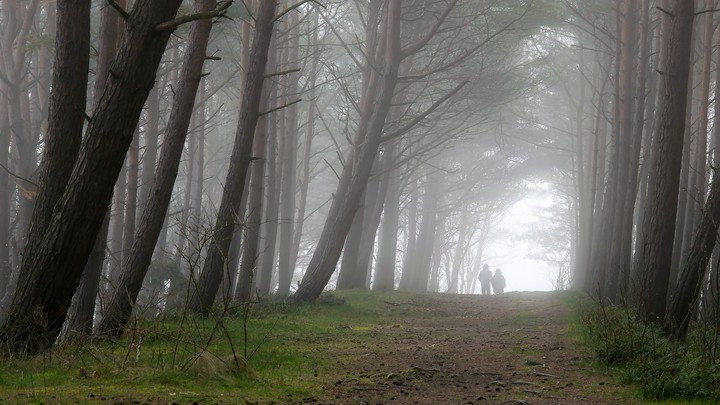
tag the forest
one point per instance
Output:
(170, 156)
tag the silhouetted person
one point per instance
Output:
(498, 282)
(484, 277)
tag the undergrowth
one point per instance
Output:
(264, 351)
(641, 354)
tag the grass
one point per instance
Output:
(274, 353)
(637, 353)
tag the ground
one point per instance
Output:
(471, 349)
(357, 348)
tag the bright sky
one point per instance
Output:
(521, 273)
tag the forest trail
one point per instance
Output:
(472, 349)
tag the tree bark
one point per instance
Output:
(653, 261)
(239, 162)
(304, 180)
(289, 175)
(689, 286)
(55, 259)
(82, 311)
(387, 245)
(253, 219)
(135, 264)
(357, 170)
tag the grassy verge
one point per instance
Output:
(638, 353)
(270, 351)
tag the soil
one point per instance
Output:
(472, 349)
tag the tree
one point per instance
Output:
(241, 156)
(687, 291)
(136, 262)
(18, 19)
(54, 260)
(355, 174)
(653, 258)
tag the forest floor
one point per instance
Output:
(353, 347)
(471, 349)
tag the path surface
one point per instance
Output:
(454, 349)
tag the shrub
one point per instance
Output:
(663, 368)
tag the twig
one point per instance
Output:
(17, 176)
(422, 116)
(87, 117)
(546, 375)
(280, 107)
(123, 14)
(665, 11)
(172, 24)
(284, 72)
(291, 8)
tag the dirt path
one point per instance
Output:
(512, 348)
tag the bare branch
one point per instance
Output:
(412, 48)
(280, 107)
(123, 14)
(284, 72)
(17, 176)
(422, 116)
(665, 11)
(291, 8)
(172, 24)
(699, 12)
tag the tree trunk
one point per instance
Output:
(151, 138)
(54, 261)
(133, 160)
(253, 219)
(289, 175)
(653, 261)
(619, 286)
(67, 104)
(356, 173)
(625, 100)
(348, 266)
(269, 227)
(82, 311)
(426, 236)
(387, 245)
(273, 167)
(239, 162)
(135, 264)
(374, 200)
(115, 237)
(408, 267)
(459, 254)
(687, 292)
(307, 153)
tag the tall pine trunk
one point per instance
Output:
(237, 171)
(654, 255)
(135, 264)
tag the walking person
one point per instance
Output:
(485, 276)
(498, 282)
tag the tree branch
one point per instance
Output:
(172, 24)
(280, 107)
(10, 172)
(284, 72)
(665, 11)
(412, 48)
(291, 8)
(123, 14)
(701, 12)
(422, 116)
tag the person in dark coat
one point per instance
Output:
(484, 277)
(498, 282)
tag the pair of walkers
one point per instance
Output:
(487, 279)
